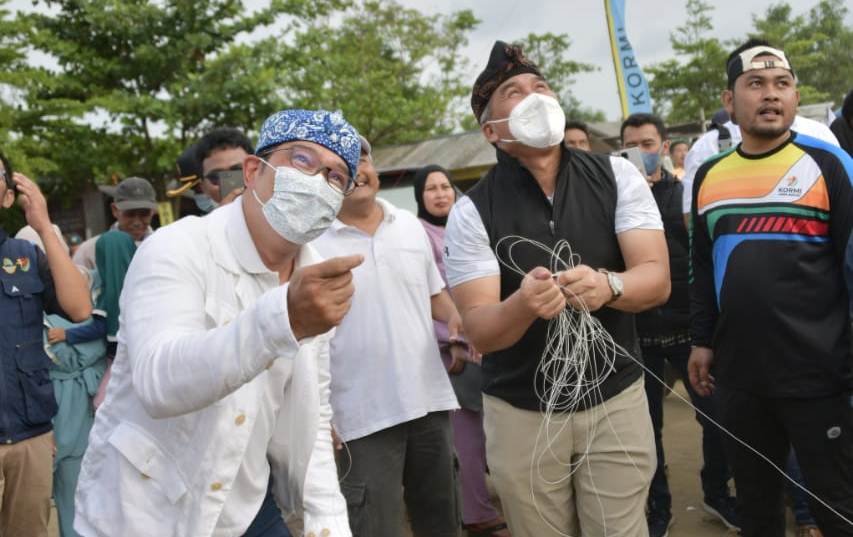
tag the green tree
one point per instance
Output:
(12, 58)
(551, 53)
(394, 72)
(688, 87)
(781, 28)
(817, 43)
(136, 80)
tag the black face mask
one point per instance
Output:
(420, 183)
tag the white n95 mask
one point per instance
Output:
(537, 121)
(302, 206)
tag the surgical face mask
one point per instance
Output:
(537, 121)
(204, 202)
(302, 206)
(651, 162)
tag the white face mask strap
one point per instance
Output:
(267, 163)
(496, 121)
(254, 193)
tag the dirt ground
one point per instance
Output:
(684, 459)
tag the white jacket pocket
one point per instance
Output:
(143, 453)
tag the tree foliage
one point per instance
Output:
(688, 87)
(818, 44)
(394, 72)
(135, 80)
(97, 90)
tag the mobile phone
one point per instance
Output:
(229, 180)
(634, 156)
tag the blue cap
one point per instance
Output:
(328, 129)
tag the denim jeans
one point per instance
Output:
(269, 521)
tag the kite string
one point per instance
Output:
(576, 343)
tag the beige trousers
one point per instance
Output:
(26, 483)
(588, 476)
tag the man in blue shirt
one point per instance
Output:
(31, 283)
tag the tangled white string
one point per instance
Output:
(579, 355)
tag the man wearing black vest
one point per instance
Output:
(665, 335)
(602, 206)
(32, 282)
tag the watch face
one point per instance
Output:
(615, 283)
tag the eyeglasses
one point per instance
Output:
(306, 160)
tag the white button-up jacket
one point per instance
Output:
(204, 335)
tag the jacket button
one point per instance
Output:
(240, 420)
(145, 476)
(216, 485)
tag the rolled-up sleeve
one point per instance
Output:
(467, 252)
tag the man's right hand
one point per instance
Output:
(699, 370)
(541, 295)
(320, 295)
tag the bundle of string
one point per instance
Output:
(579, 355)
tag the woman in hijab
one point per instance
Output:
(435, 195)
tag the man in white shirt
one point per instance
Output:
(708, 145)
(591, 466)
(390, 391)
(217, 413)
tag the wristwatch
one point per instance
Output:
(615, 283)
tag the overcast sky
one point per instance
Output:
(648, 24)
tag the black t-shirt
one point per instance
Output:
(767, 291)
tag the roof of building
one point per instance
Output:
(453, 151)
(466, 150)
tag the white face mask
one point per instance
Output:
(537, 121)
(302, 206)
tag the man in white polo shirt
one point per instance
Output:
(390, 393)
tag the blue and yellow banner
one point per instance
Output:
(633, 89)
